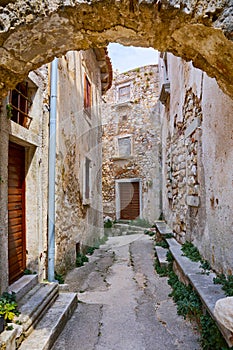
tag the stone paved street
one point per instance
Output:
(123, 304)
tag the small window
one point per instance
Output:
(87, 179)
(19, 105)
(124, 93)
(87, 95)
(124, 146)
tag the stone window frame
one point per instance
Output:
(20, 101)
(87, 95)
(87, 183)
(121, 86)
(117, 150)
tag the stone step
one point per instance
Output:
(203, 284)
(127, 227)
(35, 303)
(162, 256)
(32, 307)
(22, 286)
(51, 325)
(163, 228)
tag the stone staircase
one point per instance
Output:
(122, 229)
(43, 313)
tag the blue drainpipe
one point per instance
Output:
(52, 167)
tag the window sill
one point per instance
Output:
(115, 158)
(128, 103)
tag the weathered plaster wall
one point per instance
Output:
(78, 136)
(139, 118)
(34, 140)
(33, 32)
(197, 162)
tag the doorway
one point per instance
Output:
(16, 212)
(128, 199)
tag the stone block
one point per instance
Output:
(193, 201)
(162, 256)
(192, 127)
(223, 312)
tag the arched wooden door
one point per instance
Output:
(16, 212)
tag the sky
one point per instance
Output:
(125, 58)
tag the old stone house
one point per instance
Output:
(131, 146)
(82, 77)
(197, 160)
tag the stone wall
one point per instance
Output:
(197, 161)
(35, 142)
(137, 118)
(32, 33)
(78, 221)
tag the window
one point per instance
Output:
(87, 95)
(124, 146)
(87, 181)
(19, 105)
(124, 93)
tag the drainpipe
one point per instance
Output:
(52, 167)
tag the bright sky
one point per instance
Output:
(125, 58)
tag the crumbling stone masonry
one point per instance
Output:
(33, 32)
(196, 118)
(131, 141)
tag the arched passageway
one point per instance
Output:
(33, 32)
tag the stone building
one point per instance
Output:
(24, 138)
(82, 78)
(197, 160)
(23, 163)
(131, 146)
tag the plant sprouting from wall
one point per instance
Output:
(9, 110)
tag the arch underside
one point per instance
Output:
(34, 32)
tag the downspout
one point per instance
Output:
(51, 170)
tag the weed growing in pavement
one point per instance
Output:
(162, 244)
(81, 259)
(211, 338)
(186, 299)
(189, 306)
(59, 277)
(162, 271)
(98, 243)
(140, 222)
(149, 233)
(227, 283)
(191, 252)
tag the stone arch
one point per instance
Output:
(33, 32)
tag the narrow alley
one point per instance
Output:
(123, 303)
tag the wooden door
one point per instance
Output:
(16, 212)
(129, 200)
